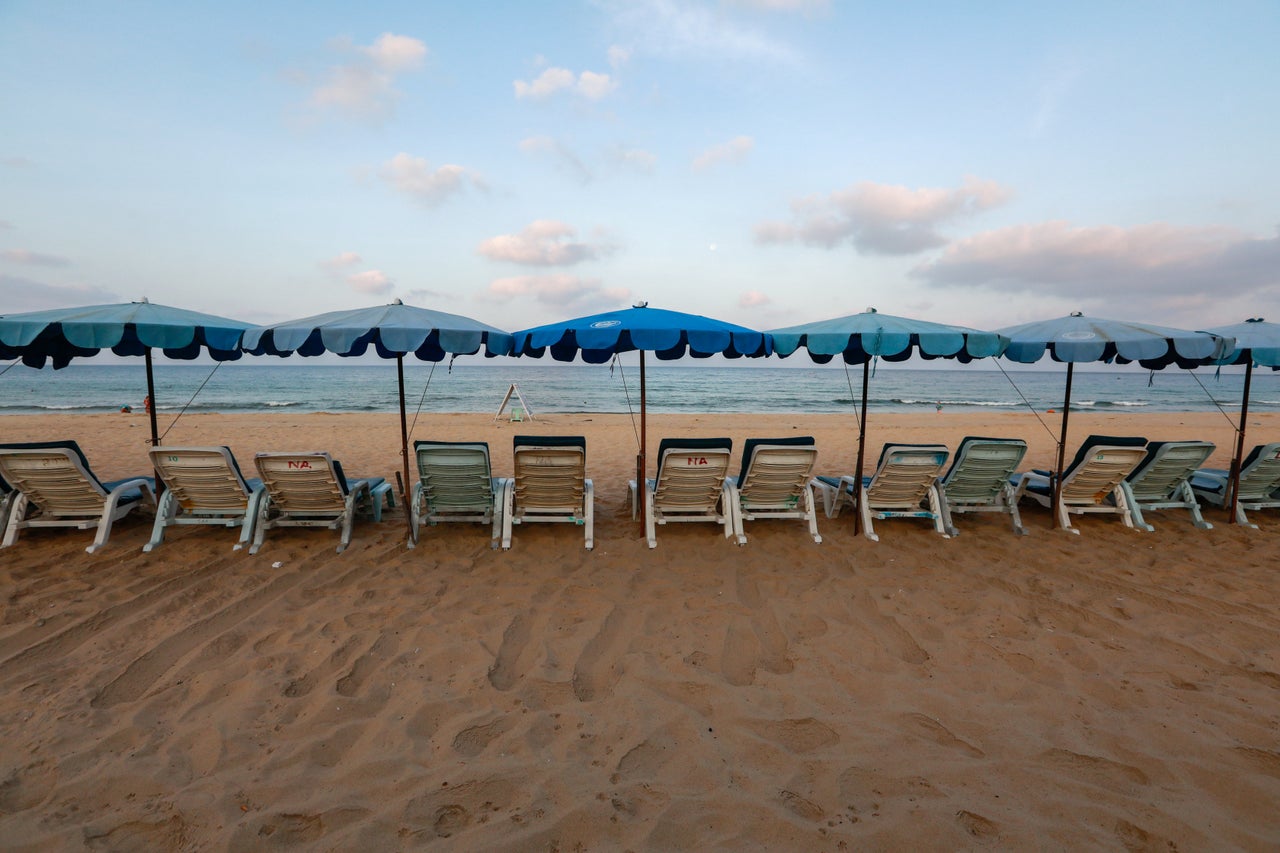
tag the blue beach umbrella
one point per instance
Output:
(394, 331)
(1257, 342)
(667, 334)
(132, 328)
(858, 338)
(1077, 338)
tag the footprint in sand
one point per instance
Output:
(931, 729)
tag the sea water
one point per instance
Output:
(370, 385)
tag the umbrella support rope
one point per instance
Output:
(617, 362)
(183, 410)
(16, 361)
(1024, 399)
(423, 398)
(1233, 476)
(862, 447)
(852, 398)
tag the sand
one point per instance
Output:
(1115, 689)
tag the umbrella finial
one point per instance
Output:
(1255, 320)
(396, 301)
(1076, 314)
(870, 310)
(640, 304)
(145, 301)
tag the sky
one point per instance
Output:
(765, 162)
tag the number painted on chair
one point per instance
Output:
(302, 464)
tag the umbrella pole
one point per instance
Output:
(640, 458)
(862, 449)
(404, 448)
(151, 395)
(1055, 496)
(1234, 480)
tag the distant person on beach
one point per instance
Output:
(126, 409)
(146, 404)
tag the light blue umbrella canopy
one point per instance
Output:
(667, 334)
(1257, 342)
(860, 337)
(393, 330)
(130, 328)
(1077, 338)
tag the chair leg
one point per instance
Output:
(650, 522)
(865, 509)
(935, 507)
(1135, 508)
(1011, 504)
(104, 524)
(260, 528)
(589, 504)
(360, 493)
(165, 513)
(944, 511)
(17, 514)
(811, 513)
(508, 512)
(1184, 488)
(415, 511)
(499, 489)
(1122, 502)
(250, 517)
(1064, 519)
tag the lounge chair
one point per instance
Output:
(1259, 482)
(1091, 483)
(904, 480)
(775, 482)
(54, 479)
(1161, 480)
(203, 485)
(455, 483)
(690, 485)
(311, 490)
(550, 484)
(978, 480)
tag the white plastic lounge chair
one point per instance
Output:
(550, 484)
(690, 485)
(905, 479)
(1161, 480)
(311, 490)
(775, 482)
(53, 479)
(1259, 482)
(978, 480)
(1091, 483)
(203, 485)
(456, 483)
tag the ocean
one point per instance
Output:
(369, 385)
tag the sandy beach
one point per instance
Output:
(1112, 690)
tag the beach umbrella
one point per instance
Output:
(1077, 338)
(394, 330)
(1257, 342)
(132, 328)
(667, 334)
(858, 338)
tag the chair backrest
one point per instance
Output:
(1260, 472)
(691, 472)
(54, 475)
(550, 472)
(981, 468)
(776, 471)
(904, 474)
(1099, 466)
(302, 483)
(202, 477)
(1167, 465)
(455, 474)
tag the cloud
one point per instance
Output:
(34, 259)
(19, 294)
(365, 86)
(544, 242)
(753, 299)
(373, 282)
(414, 177)
(636, 159)
(560, 153)
(341, 261)
(619, 56)
(805, 6)
(421, 294)
(733, 151)
(882, 218)
(1138, 265)
(589, 84)
(558, 289)
(671, 28)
